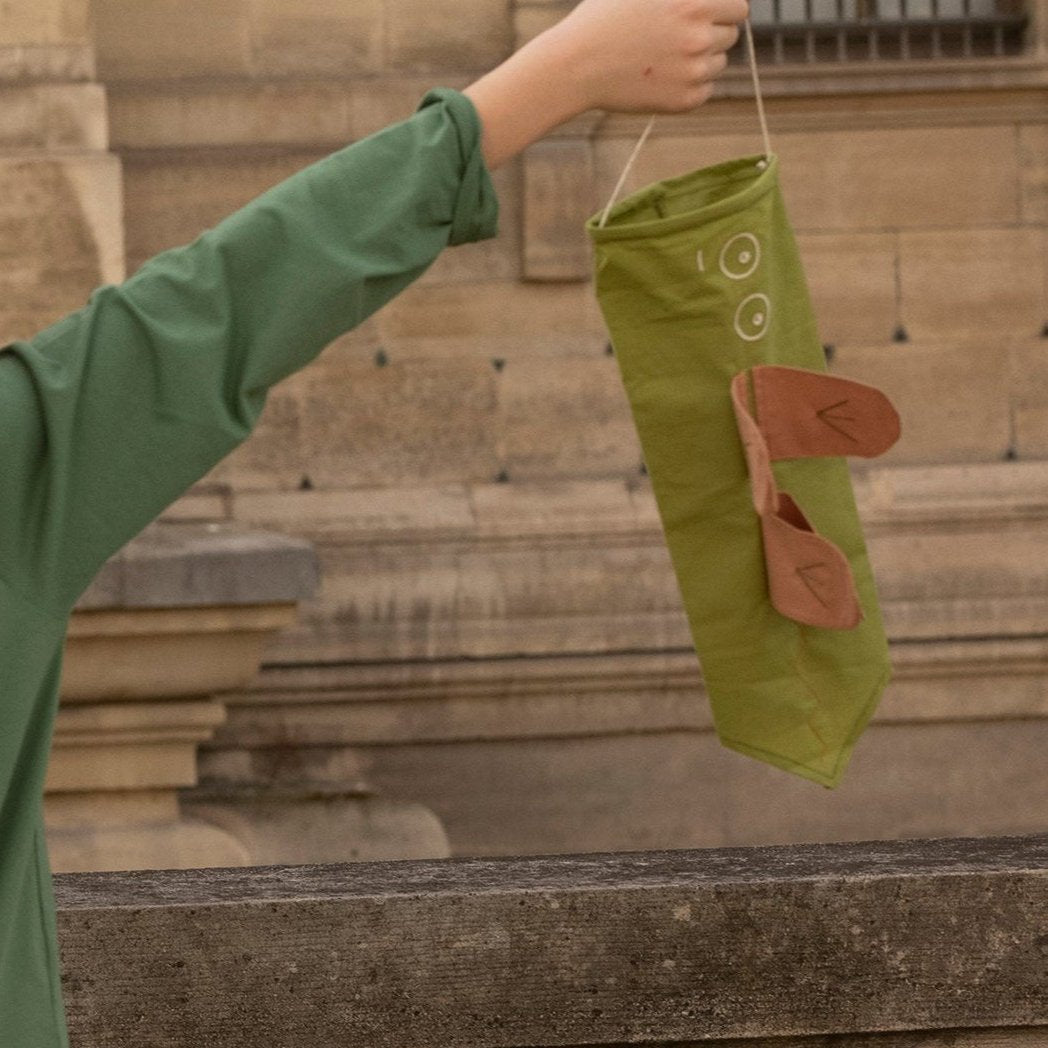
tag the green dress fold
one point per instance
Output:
(701, 287)
(109, 415)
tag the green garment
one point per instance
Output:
(701, 286)
(108, 416)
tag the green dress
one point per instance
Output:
(109, 415)
(743, 435)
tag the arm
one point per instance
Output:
(108, 416)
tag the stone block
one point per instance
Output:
(496, 309)
(952, 398)
(960, 283)
(151, 653)
(380, 102)
(447, 35)
(186, 565)
(299, 116)
(531, 17)
(678, 947)
(315, 823)
(377, 419)
(851, 277)
(317, 37)
(154, 39)
(1033, 158)
(51, 63)
(877, 179)
(53, 117)
(59, 236)
(1029, 396)
(559, 193)
(92, 831)
(565, 417)
(128, 746)
(368, 512)
(45, 22)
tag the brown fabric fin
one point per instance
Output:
(809, 578)
(806, 414)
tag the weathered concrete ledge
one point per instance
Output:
(599, 949)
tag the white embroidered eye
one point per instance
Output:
(700, 260)
(752, 317)
(740, 256)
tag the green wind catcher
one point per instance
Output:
(744, 436)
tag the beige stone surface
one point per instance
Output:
(559, 188)
(883, 179)
(299, 827)
(952, 398)
(153, 39)
(407, 421)
(317, 36)
(851, 277)
(130, 745)
(53, 116)
(45, 22)
(291, 113)
(956, 283)
(157, 652)
(59, 236)
(1029, 397)
(531, 17)
(1033, 159)
(492, 309)
(447, 35)
(565, 417)
(93, 831)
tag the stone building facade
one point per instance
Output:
(497, 633)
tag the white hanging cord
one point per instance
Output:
(752, 53)
(626, 170)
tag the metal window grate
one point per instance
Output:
(809, 31)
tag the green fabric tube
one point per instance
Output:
(699, 279)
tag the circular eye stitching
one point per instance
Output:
(760, 319)
(750, 258)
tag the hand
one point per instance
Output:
(650, 55)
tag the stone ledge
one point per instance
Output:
(189, 565)
(594, 949)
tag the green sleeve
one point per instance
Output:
(108, 416)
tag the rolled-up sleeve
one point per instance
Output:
(108, 416)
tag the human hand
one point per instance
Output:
(652, 56)
(648, 55)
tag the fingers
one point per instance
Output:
(724, 12)
(713, 38)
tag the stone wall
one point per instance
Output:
(497, 633)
